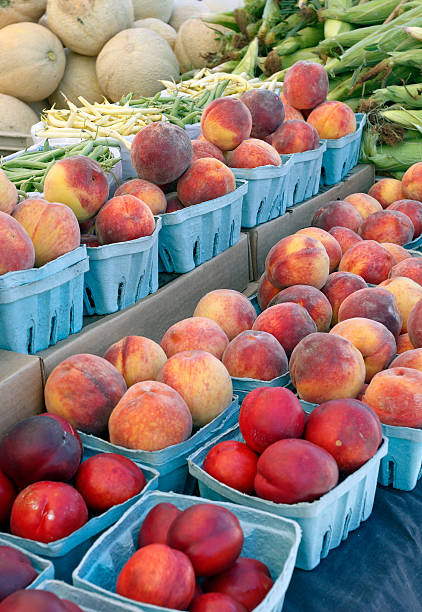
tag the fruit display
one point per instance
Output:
(37, 600)
(17, 571)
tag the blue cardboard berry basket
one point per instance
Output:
(89, 602)
(40, 306)
(305, 174)
(270, 539)
(196, 234)
(66, 553)
(121, 274)
(416, 243)
(43, 567)
(243, 386)
(342, 154)
(325, 522)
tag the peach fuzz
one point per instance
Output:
(266, 109)
(330, 244)
(295, 136)
(137, 358)
(226, 122)
(232, 311)
(333, 120)
(305, 85)
(337, 213)
(369, 260)
(124, 218)
(325, 367)
(290, 112)
(398, 252)
(364, 204)
(387, 191)
(407, 294)
(195, 334)
(257, 355)
(374, 341)
(253, 153)
(408, 359)
(388, 226)
(410, 268)
(16, 248)
(338, 287)
(404, 344)
(414, 325)
(84, 389)
(150, 416)
(313, 300)
(413, 209)
(149, 193)
(80, 183)
(203, 148)
(345, 237)
(8, 194)
(266, 291)
(297, 260)
(374, 303)
(412, 182)
(205, 180)
(52, 227)
(395, 395)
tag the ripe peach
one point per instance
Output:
(388, 226)
(159, 575)
(16, 248)
(156, 524)
(232, 311)
(124, 218)
(255, 354)
(408, 359)
(84, 389)
(226, 122)
(210, 535)
(8, 194)
(7, 497)
(398, 252)
(206, 179)
(374, 303)
(375, 342)
(337, 213)
(80, 183)
(213, 602)
(232, 463)
(266, 291)
(269, 414)
(37, 513)
(305, 85)
(404, 344)
(203, 382)
(161, 152)
(338, 286)
(203, 148)
(293, 471)
(290, 112)
(313, 300)
(333, 120)
(410, 268)
(387, 191)
(16, 571)
(396, 396)
(66, 426)
(297, 260)
(414, 325)
(412, 182)
(37, 601)
(149, 193)
(413, 209)
(266, 109)
(253, 153)
(195, 334)
(330, 244)
(345, 237)
(150, 416)
(137, 358)
(369, 260)
(348, 429)
(295, 136)
(325, 367)
(407, 294)
(365, 204)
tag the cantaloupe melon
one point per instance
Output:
(194, 41)
(220, 6)
(84, 26)
(156, 25)
(133, 61)
(184, 10)
(14, 11)
(16, 116)
(160, 9)
(79, 79)
(32, 61)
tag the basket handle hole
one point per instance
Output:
(391, 472)
(30, 340)
(53, 329)
(89, 297)
(231, 239)
(196, 252)
(120, 294)
(346, 525)
(139, 287)
(215, 244)
(326, 543)
(71, 319)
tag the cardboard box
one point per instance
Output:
(263, 237)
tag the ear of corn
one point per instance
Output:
(369, 13)
(409, 96)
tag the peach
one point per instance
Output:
(398, 252)
(404, 344)
(410, 268)
(338, 286)
(395, 395)
(211, 602)
(269, 414)
(375, 342)
(149, 193)
(408, 359)
(253, 153)
(330, 244)
(8, 194)
(84, 389)
(374, 303)
(156, 524)
(161, 152)
(407, 294)
(16, 571)
(80, 183)
(206, 179)
(232, 463)
(412, 182)
(313, 300)
(266, 291)
(195, 334)
(37, 601)
(266, 109)
(203, 148)
(388, 226)
(66, 426)
(387, 191)
(16, 248)
(413, 209)
(7, 497)
(226, 122)
(293, 471)
(297, 260)
(348, 429)
(337, 213)
(305, 85)
(232, 311)
(37, 513)
(255, 354)
(203, 382)
(159, 575)
(333, 120)
(414, 325)
(124, 218)
(290, 112)
(345, 237)
(295, 136)
(150, 416)
(210, 535)
(52, 227)
(137, 358)
(288, 323)
(325, 367)
(369, 260)
(173, 203)
(365, 204)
